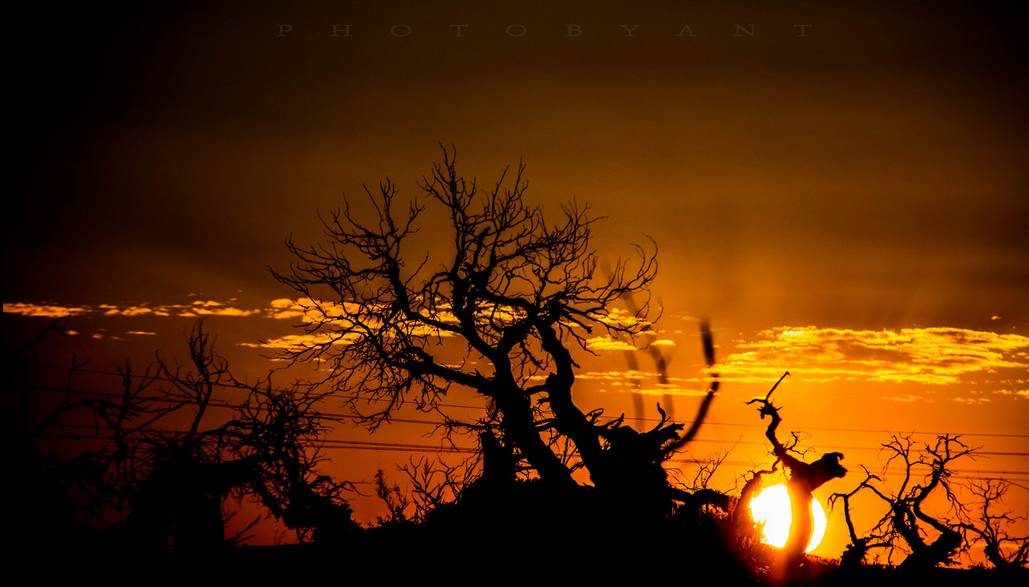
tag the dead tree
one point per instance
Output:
(178, 504)
(989, 527)
(276, 430)
(906, 519)
(92, 490)
(742, 521)
(700, 502)
(267, 447)
(804, 478)
(520, 292)
(164, 464)
(397, 503)
(856, 552)
(436, 483)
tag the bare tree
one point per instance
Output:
(178, 504)
(396, 501)
(121, 429)
(276, 431)
(804, 478)
(164, 464)
(990, 527)
(742, 521)
(906, 519)
(521, 293)
(436, 482)
(859, 547)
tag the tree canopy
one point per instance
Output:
(521, 291)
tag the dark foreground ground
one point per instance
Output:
(520, 537)
(551, 564)
(420, 558)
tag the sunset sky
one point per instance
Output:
(846, 200)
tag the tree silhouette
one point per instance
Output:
(989, 527)
(742, 521)
(158, 480)
(520, 292)
(855, 553)
(906, 518)
(804, 478)
(276, 431)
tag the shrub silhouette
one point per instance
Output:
(164, 467)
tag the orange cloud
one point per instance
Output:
(298, 342)
(671, 390)
(936, 356)
(607, 343)
(972, 401)
(44, 310)
(1023, 393)
(196, 309)
(907, 398)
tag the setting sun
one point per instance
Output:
(771, 509)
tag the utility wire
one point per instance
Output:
(479, 407)
(343, 443)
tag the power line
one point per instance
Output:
(957, 473)
(467, 406)
(235, 386)
(343, 443)
(338, 417)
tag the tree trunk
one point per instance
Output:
(570, 419)
(517, 422)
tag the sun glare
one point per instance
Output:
(771, 510)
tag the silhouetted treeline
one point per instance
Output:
(161, 470)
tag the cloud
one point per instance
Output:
(671, 390)
(930, 356)
(607, 343)
(972, 401)
(196, 309)
(44, 310)
(643, 382)
(621, 318)
(934, 356)
(1023, 393)
(621, 376)
(299, 342)
(213, 308)
(285, 309)
(310, 311)
(906, 398)
(112, 310)
(307, 309)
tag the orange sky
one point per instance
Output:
(848, 205)
(849, 388)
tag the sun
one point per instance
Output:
(771, 510)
